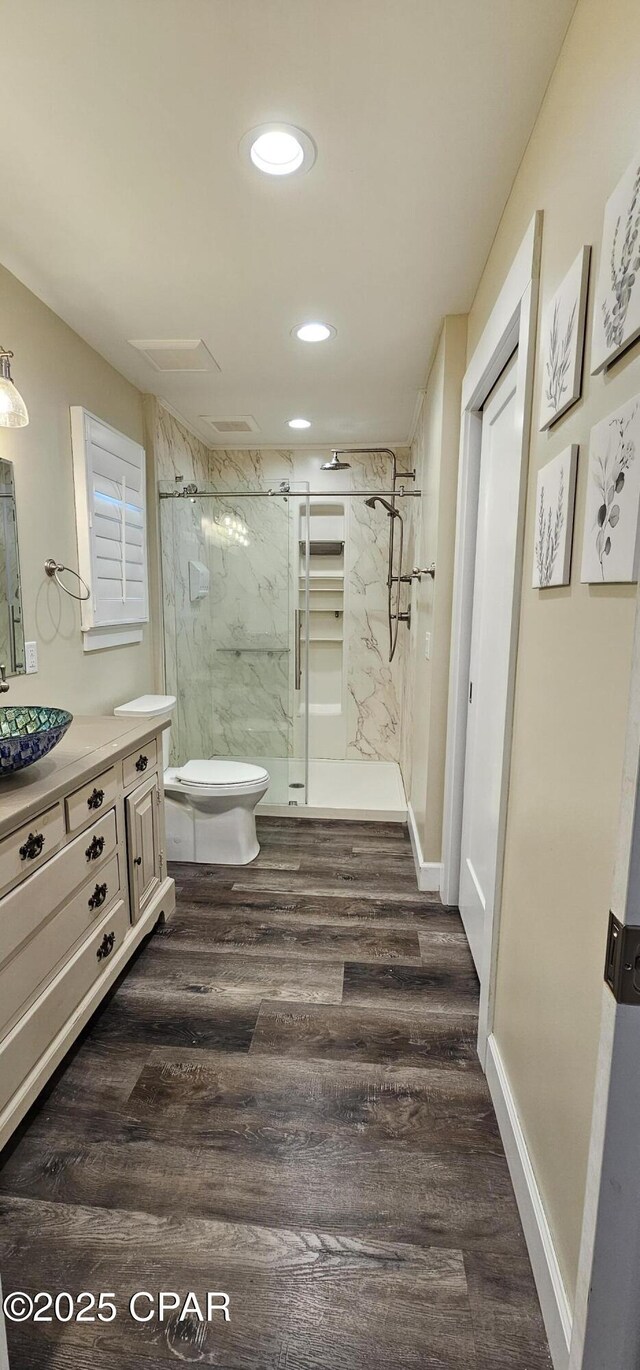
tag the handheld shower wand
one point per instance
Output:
(390, 508)
(395, 618)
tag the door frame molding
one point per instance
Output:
(511, 325)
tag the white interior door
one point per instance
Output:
(496, 545)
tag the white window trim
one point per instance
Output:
(100, 633)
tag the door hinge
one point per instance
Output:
(622, 965)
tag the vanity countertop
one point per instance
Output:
(91, 744)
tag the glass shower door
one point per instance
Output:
(235, 640)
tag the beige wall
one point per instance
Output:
(574, 650)
(54, 369)
(435, 456)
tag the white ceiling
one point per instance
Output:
(126, 206)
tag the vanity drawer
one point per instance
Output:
(135, 766)
(37, 1030)
(25, 908)
(27, 848)
(85, 803)
(38, 960)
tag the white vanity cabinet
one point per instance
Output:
(145, 852)
(82, 880)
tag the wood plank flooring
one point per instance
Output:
(281, 1100)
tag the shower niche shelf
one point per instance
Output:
(321, 548)
(326, 603)
(333, 580)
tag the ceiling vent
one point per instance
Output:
(241, 423)
(176, 354)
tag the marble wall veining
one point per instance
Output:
(250, 469)
(229, 657)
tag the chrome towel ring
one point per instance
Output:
(53, 569)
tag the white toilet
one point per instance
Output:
(210, 805)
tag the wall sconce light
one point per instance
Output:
(13, 410)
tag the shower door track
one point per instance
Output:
(192, 492)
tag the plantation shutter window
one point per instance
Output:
(109, 478)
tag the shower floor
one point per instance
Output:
(337, 789)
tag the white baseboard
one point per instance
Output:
(542, 1254)
(428, 873)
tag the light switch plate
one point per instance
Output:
(31, 657)
(427, 646)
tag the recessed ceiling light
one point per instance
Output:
(314, 332)
(299, 423)
(279, 149)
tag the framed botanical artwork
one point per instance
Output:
(555, 498)
(616, 313)
(563, 342)
(611, 546)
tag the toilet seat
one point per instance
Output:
(218, 776)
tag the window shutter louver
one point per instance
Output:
(109, 474)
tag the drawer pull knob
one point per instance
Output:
(142, 763)
(98, 897)
(137, 860)
(95, 848)
(32, 847)
(106, 946)
(95, 799)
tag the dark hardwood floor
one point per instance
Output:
(282, 1101)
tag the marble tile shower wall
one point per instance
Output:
(252, 596)
(234, 699)
(251, 615)
(411, 645)
(374, 685)
(187, 626)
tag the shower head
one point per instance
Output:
(377, 499)
(335, 464)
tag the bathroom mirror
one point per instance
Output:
(11, 627)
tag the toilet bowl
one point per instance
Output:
(210, 808)
(209, 804)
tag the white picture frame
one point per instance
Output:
(562, 342)
(616, 312)
(553, 536)
(611, 541)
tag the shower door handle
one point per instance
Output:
(297, 656)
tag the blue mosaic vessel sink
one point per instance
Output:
(27, 734)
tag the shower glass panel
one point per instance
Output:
(234, 589)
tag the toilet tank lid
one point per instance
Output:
(148, 706)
